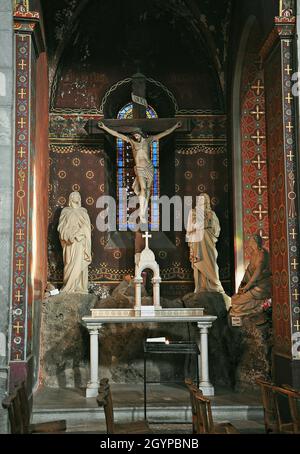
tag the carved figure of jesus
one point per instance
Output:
(143, 169)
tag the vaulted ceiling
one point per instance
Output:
(147, 35)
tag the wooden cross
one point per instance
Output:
(260, 187)
(258, 137)
(258, 87)
(257, 112)
(289, 127)
(139, 120)
(18, 296)
(259, 162)
(293, 234)
(147, 236)
(17, 327)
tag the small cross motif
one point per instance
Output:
(258, 137)
(22, 93)
(147, 236)
(20, 234)
(294, 264)
(290, 156)
(296, 295)
(22, 64)
(259, 162)
(21, 152)
(18, 296)
(289, 127)
(18, 327)
(288, 69)
(288, 98)
(258, 87)
(293, 234)
(22, 123)
(260, 211)
(260, 187)
(257, 112)
(297, 325)
(20, 265)
(261, 233)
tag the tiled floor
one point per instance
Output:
(129, 394)
(226, 405)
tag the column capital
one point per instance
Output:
(94, 328)
(29, 23)
(204, 326)
(284, 28)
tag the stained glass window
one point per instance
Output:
(126, 175)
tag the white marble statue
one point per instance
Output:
(203, 230)
(75, 236)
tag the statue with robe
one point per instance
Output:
(143, 169)
(256, 283)
(75, 236)
(203, 230)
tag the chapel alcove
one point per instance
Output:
(92, 80)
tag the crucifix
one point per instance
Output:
(140, 132)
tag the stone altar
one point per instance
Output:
(94, 325)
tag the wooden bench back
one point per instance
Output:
(11, 403)
(269, 406)
(193, 390)
(205, 424)
(287, 423)
(104, 399)
(16, 411)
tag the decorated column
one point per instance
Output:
(278, 59)
(28, 45)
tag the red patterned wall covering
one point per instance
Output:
(282, 194)
(84, 168)
(24, 30)
(254, 159)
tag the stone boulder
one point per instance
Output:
(65, 341)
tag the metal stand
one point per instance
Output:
(181, 348)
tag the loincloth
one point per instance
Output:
(145, 173)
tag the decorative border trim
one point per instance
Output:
(21, 196)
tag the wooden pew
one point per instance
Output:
(104, 399)
(19, 414)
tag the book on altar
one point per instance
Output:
(156, 339)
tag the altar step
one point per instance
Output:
(165, 404)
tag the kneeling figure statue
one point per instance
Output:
(256, 283)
